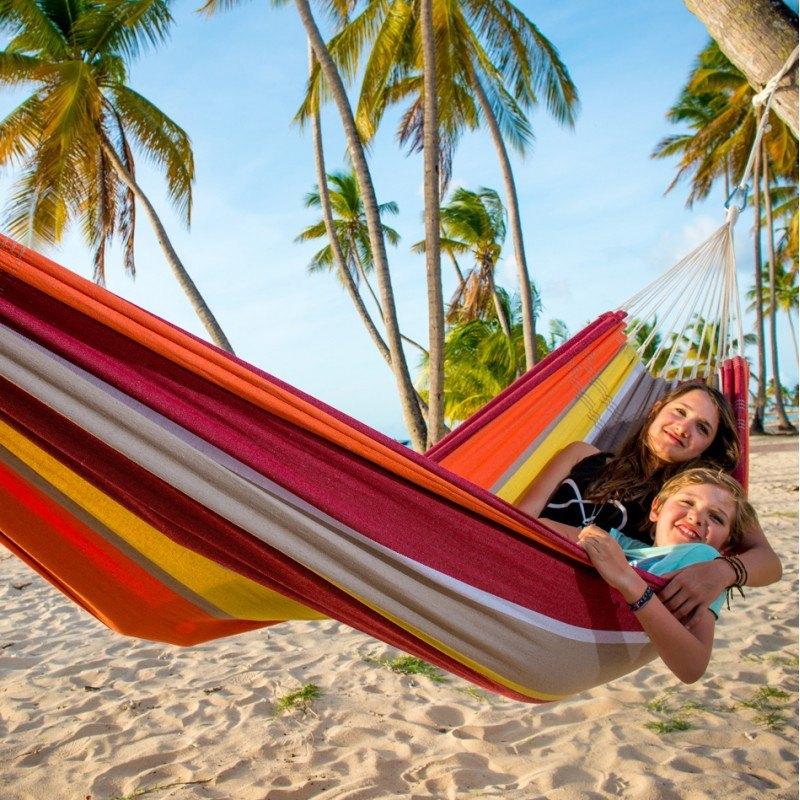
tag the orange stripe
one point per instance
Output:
(488, 454)
(182, 349)
(97, 576)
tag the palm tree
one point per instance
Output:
(784, 423)
(785, 297)
(332, 87)
(480, 361)
(716, 103)
(350, 227)
(73, 138)
(475, 223)
(351, 239)
(492, 63)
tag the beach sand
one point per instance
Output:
(85, 713)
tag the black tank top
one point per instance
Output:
(568, 506)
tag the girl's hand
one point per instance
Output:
(607, 556)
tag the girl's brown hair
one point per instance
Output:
(744, 516)
(636, 474)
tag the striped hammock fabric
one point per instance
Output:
(181, 495)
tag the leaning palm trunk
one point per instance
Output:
(178, 270)
(498, 306)
(757, 425)
(433, 264)
(415, 424)
(336, 247)
(526, 296)
(757, 36)
(784, 425)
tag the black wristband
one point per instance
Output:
(646, 597)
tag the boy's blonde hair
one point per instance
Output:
(744, 515)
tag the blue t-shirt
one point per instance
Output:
(668, 558)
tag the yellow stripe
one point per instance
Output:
(575, 425)
(230, 592)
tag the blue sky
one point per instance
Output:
(597, 225)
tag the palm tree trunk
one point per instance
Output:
(757, 36)
(363, 275)
(757, 425)
(512, 202)
(498, 306)
(415, 423)
(178, 270)
(790, 317)
(784, 425)
(336, 247)
(457, 268)
(433, 263)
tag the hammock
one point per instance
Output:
(181, 495)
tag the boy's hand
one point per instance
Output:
(609, 560)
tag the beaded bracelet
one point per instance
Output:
(740, 571)
(646, 597)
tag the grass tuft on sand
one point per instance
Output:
(409, 665)
(300, 699)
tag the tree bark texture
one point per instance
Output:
(760, 404)
(433, 262)
(176, 265)
(515, 223)
(757, 36)
(784, 425)
(415, 424)
(336, 246)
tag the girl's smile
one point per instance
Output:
(684, 428)
(697, 513)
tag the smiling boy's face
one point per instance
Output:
(696, 513)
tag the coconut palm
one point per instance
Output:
(480, 361)
(350, 226)
(73, 138)
(785, 297)
(492, 64)
(474, 223)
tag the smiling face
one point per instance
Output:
(684, 428)
(696, 513)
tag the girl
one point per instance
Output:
(696, 514)
(692, 425)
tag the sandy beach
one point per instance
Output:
(85, 713)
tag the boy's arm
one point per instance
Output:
(692, 589)
(685, 652)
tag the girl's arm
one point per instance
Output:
(685, 652)
(545, 483)
(691, 590)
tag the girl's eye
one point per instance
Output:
(704, 429)
(718, 519)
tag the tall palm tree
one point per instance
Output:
(74, 137)
(334, 89)
(493, 63)
(785, 297)
(475, 223)
(784, 423)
